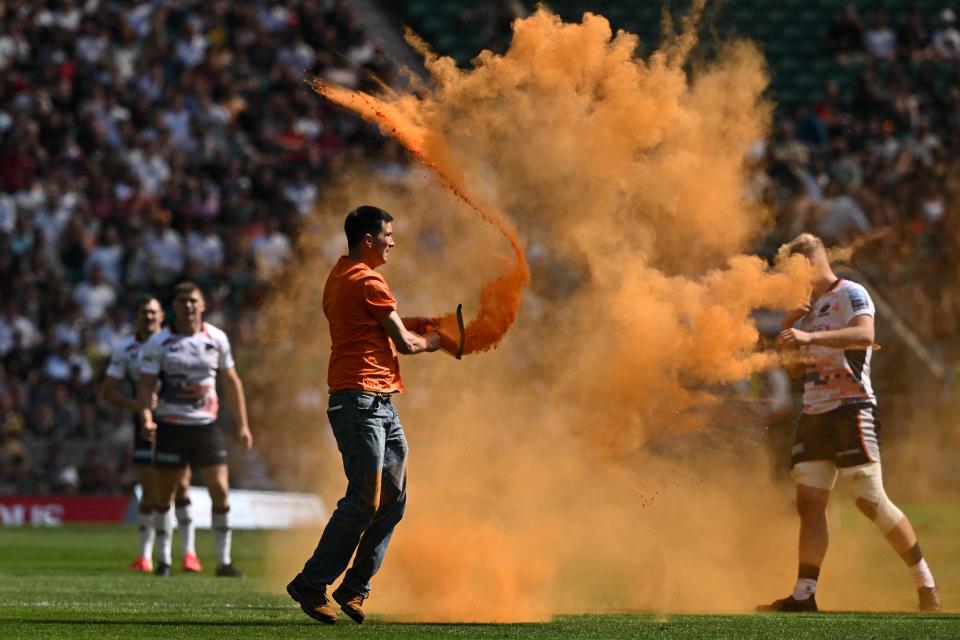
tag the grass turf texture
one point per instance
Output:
(72, 583)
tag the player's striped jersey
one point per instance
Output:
(837, 377)
(125, 361)
(187, 368)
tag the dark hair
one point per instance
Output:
(363, 220)
(143, 301)
(187, 287)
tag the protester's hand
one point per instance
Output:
(793, 339)
(433, 340)
(419, 324)
(245, 438)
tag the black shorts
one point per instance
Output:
(847, 436)
(197, 445)
(142, 448)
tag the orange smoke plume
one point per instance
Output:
(581, 466)
(500, 297)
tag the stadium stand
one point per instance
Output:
(149, 141)
(140, 143)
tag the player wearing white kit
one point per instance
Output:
(124, 369)
(188, 358)
(838, 432)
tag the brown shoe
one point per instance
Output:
(313, 601)
(350, 603)
(929, 599)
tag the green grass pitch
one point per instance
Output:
(72, 583)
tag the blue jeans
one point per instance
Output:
(374, 451)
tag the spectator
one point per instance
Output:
(842, 217)
(879, 39)
(97, 477)
(66, 365)
(107, 255)
(845, 36)
(94, 296)
(165, 251)
(946, 39)
(56, 475)
(913, 36)
(271, 249)
(14, 462)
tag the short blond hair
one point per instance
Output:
(806, 244)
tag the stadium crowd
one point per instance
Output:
(881, 161)
(143, 143)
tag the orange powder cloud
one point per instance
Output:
(590, 462)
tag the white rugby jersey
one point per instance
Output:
(837, 377)
(186, 367)
(125, 361)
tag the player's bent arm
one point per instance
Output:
(144, 402)
(236, 402)
(859, 334)
(110, 393)
(407, 342)
(145, 387)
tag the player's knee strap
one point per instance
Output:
(866, 483)
(819, 474)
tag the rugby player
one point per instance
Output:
(838, 432)
(364, 372)
(124, 369)
(188, 358)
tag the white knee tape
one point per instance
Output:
(866, 483)
(819, 474)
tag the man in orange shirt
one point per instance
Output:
(366, 333)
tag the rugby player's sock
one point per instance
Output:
(147, 534)
(806, 586)
(163, 521)
(922, 576)
(188, 534)
(221, 537)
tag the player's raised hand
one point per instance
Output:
(246, 438)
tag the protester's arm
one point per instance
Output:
(237, 404)
(408, 342)
(418, 324)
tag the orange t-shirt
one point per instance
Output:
(362, 355)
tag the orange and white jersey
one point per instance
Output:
(186, 367)
(837, 377)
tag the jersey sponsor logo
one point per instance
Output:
(858, 300)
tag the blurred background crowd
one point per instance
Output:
(143, 143)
